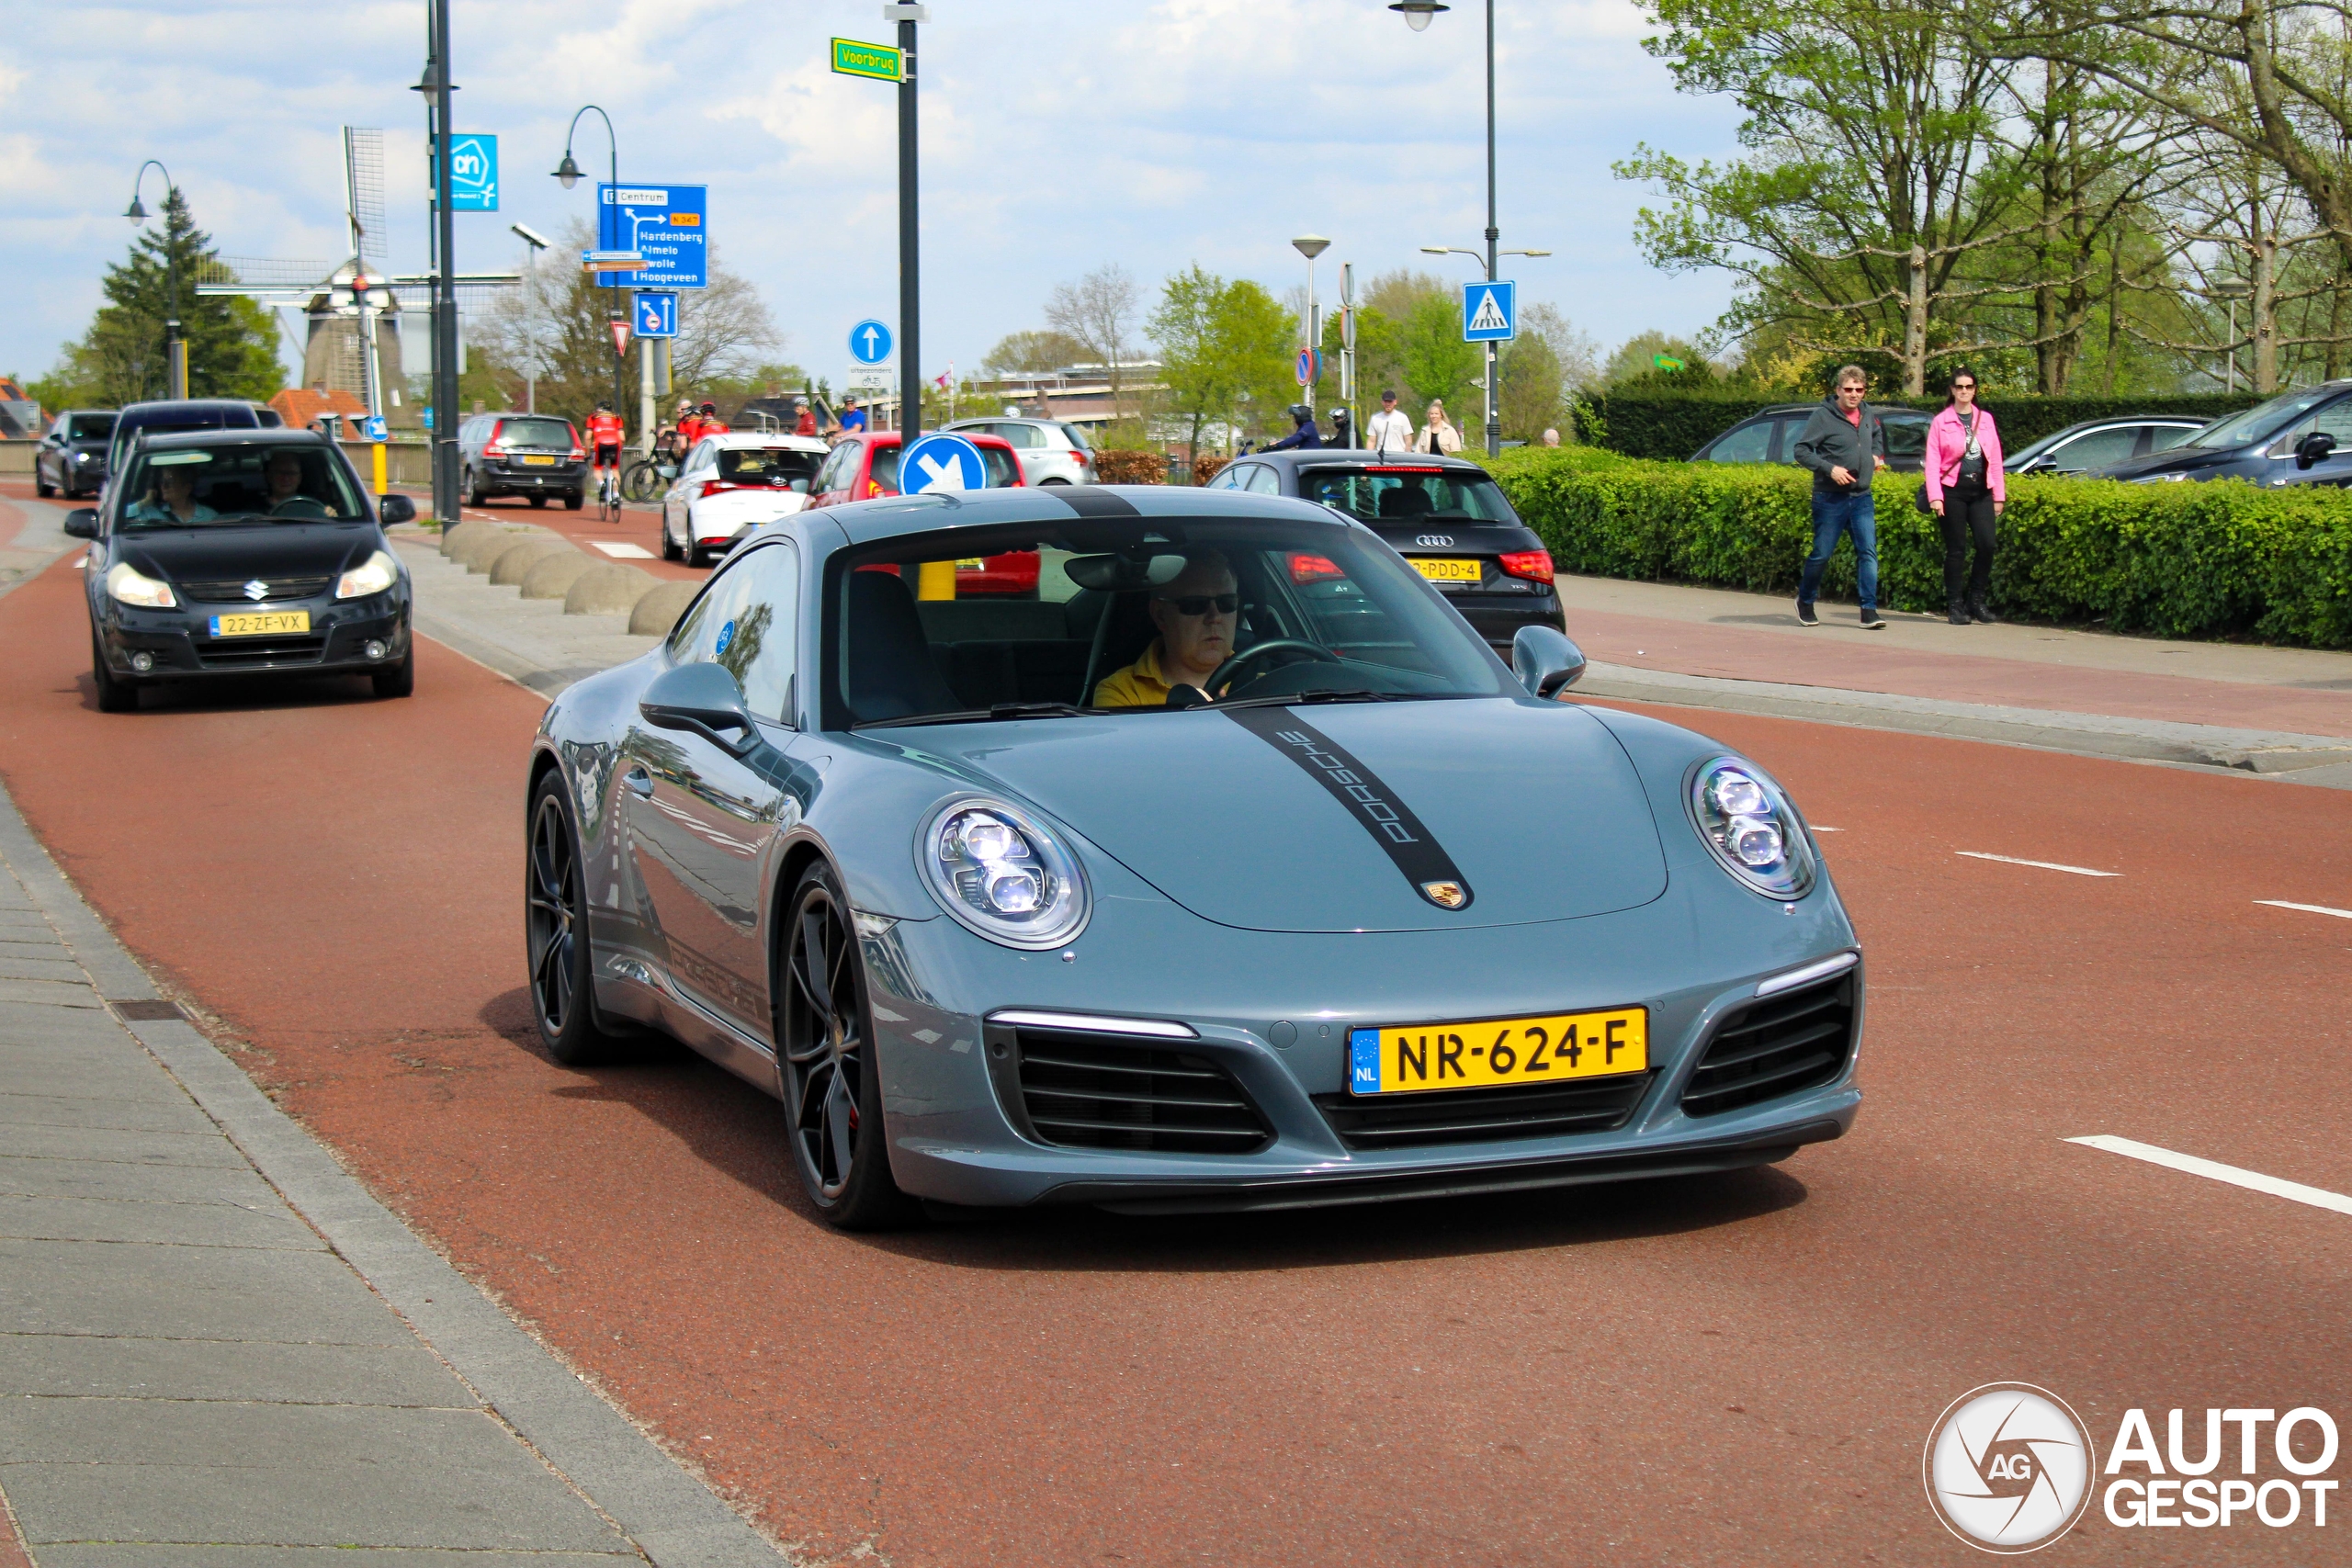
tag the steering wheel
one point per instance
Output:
(1222, 678)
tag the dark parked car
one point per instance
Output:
(2097, 444)
(1771, 437)
(2297, 438)
(72, 458)
(530, 454)
(1444, 515)
(237, 552)
(165, 416)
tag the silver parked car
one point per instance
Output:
(1052, 451)
(1006, 910)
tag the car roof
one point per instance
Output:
(779, 438)
(160, 404)
(892, 437)
(1296, 457)
(269, 435)
(866, 522)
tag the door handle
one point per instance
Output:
(640, 784)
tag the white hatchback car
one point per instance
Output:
(1052, 451)
(731, 484)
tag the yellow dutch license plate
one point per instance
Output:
(1498, 1053)
(539, 462)
(1437, 570)
(263, 623)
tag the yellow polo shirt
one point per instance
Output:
(1139, 685)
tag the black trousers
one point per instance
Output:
(1966, 518)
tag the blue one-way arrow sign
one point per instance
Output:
(942, 462)
(869, 343)
(657, 315)
(1489, 312)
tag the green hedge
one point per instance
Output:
(2220, 559)
(1670, 426)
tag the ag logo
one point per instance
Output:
(2008, 1467)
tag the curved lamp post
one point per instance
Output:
(174, 348)
(567, 174)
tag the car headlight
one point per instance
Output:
(1002, 874)
(1751, 828)
(375, 574)
(133, 587)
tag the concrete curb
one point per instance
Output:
(552, 576)
(2145, 740)
(673, 1517)
(655, 613)
(514, 562)
(608, 589)
(478, 552)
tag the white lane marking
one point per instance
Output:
(2045, 864)
(2307, 908)
(1819, 828)
(86, 560)
(2294, 1191)
(623, 549)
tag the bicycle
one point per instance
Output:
(608, 497)
(647, 478)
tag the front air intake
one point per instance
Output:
(1096, 1092)
(1775, 1046)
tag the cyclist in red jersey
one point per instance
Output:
(604, 435)
(710, 423)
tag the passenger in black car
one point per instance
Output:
(173, 499)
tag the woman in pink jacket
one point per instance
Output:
(1964, 490)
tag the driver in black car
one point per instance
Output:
(1197, 615)
(284, 473)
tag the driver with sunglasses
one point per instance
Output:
(1196, 615)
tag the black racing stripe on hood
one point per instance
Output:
(1087, 502)
(1366, 796)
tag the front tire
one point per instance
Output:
(114, 693)
(832, 1087)
(555, 933)
(400, 680)
(42, 487)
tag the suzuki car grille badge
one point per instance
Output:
(257, 589)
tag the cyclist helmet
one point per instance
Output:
(710, 407)
(604, 407)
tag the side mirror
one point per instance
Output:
(394, 509)
(704, 699)
(2313, 449)
(82, 523)
(1545, 661)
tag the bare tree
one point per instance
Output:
(1099, 310)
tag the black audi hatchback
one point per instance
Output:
(1446, 515)
(242, 552)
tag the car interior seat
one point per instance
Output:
(1405, 501)
(890, 672)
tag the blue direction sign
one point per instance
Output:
(942, 462)
(1489, 312)
(657, 315)
(663, 223)
(372, 427)
(870, 342)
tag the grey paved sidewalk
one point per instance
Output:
(217, 1351)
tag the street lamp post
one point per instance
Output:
(175, 347)
(1310, 246)
(567, 174)
(437, 86)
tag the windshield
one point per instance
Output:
(186, 485)
(90, 427)
(778, 467)
(543, 432)
(1144, 615)
(1401, 492)
(2261, 419)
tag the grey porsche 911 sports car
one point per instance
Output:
(1228, 869)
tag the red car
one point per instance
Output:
(864, 467)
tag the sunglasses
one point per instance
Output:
(1963, 385)
(1201, 603)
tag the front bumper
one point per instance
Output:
(179, 646)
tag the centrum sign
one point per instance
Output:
(666, 224)
(877, 60)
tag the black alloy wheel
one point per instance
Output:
(556, 926)
(400, 680)
(832, 1092)
(116, 695)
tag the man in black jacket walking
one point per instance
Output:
(1843, 445)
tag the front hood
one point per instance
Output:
(1536, 805)
(274, 549)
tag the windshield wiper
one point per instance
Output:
(1302, 698)
(982, 716)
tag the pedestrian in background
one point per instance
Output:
(852, 417)
(1390, 430)
(1437, 435)
(806, 424)
(1844, 446)
(1964, 490)
(1551, 438)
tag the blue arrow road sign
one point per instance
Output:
(666, 224)
(372, 427)
(657, 315)
(1489, 312)
(942, 462)
(870, 342)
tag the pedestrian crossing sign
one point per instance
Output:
(1489, 311)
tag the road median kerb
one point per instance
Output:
(607, 589)
(552, 576)
(454, 537)
(512, 563)
(479, 553)
(657, 612)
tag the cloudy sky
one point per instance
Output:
(1057, 135)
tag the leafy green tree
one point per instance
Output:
(1636, 360)
(1034, 353)
(231, 342)
(1548, 361)
(1225, 350)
